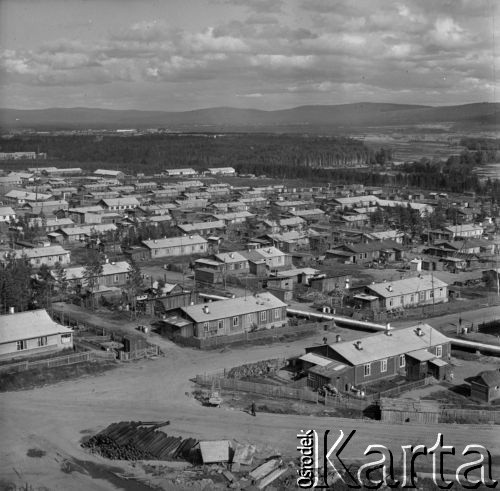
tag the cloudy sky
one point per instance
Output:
(265, 54)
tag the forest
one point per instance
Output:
(157, 152)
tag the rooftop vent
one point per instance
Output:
(358, 345)
(388, 329)
(206, 310)
(419, 331)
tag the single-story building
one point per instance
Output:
(39, 255)
(31, 333)
(113, 274)
(7, 214)
(486, 386)
(415, 351)
(409, 292)
(176, 246)
(228, 317)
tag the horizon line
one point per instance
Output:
(416, 105)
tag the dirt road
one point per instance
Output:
(55, 418)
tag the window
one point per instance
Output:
(263, 316)
(402, 361)
(421, 296)
(235, 321)
(439, 351)
(220, 325)
(277, 314)
(250, 318)
(60, 258)
(42, 341)
(368, 370)
(431, 294)
(22, 345)
(383, 365)
(116, 278)
(411, 298)
(402, 300)
(205, 326)
(440, 292)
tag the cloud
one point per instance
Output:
(318, 47)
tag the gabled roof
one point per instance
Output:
(123, 201)
(230, 257)
(407, 286)
(77, 272)
(489, 378)
(466, 227)
(6, 210)
(37, 252)
(174, 242)
(193, 227)
(222, 309)
(379, 346)
(28, 325)
(370, 246)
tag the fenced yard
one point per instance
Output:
(59, 361)
(369, 406)
(245, 337)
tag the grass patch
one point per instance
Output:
(38, 377)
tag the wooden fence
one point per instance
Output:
(468, 416)
(245, 337)
(57, 362)
(399, 389)
(278, 391)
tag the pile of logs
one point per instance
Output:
(137, 440)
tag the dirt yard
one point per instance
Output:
(52, 420)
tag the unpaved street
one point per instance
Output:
(55, 418)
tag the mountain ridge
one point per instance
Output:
(307, 116)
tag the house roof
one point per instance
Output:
(6, 210)
(192, 227)
(304, 213)
(490, 378)
(35, 252)
(105, 172)
(77, 272)
(88, 229)
(222, 309)
(124, 201)
(379, 346)
(370, 246)
(230, 257)
(466, 227)
(316, 359)
(174, 242)
(407, 286)
(28, 325)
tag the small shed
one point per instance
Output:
(486, 386)
(400, 411)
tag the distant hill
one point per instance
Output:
(303, 118)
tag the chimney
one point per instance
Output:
(12, 310)
(338, 338)
(389, 288)
(420, 332)
(206, 310)
(358, 345)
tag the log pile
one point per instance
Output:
(136, 440)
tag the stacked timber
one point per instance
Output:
(136, 440)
